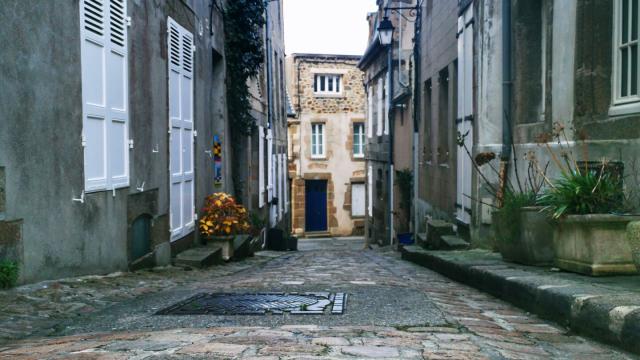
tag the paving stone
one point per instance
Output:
(330, 341)
(214, 349)
(371, 351)
(477, 325)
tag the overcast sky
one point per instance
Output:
(326, 26)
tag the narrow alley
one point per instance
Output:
(395, 309)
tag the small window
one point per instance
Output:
(327, 84)
(317, 140)
(358, 140)
(626, 34)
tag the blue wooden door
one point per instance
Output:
(316, 205)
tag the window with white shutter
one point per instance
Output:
(181, 130)
(270, 165)
(105, 97)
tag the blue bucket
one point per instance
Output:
(405, 239)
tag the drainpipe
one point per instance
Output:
(416, 114)
(391, 126)
(506, 98)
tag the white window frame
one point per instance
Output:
(627, 104)
(334, 79)
(318, 140)
(358, 133)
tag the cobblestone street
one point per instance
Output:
(395, 310)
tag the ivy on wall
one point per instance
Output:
(243, 24)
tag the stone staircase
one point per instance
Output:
(441, 235)
(208, 255)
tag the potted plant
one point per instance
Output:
(590, 232)
(523, 233)
(587, 204)
(222, 220)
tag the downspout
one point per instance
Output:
(391, 126)
(416, 114)
(506, 99)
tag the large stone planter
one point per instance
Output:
(225, 242)
(633, 238)
(594, 244)
(525, 237)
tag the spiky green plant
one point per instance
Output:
(582, 192)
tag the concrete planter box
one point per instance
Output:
(225, 242)
(633, 238)
(594, 244)
(526, 237)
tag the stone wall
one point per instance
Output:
(353, 97)
(338, 113)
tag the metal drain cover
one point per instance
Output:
(259, 304)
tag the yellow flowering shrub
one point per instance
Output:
(223, 216)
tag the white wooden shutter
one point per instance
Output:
(357, 200)
(261, 185)
(369, 112)
(370, 191)
(387, 102)
(270, 165)
(464, 120)
(105, 111)
(181, 138)
(380, 114)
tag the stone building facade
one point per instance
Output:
(109, 125)
(326, 137)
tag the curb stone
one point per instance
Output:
(604, 314)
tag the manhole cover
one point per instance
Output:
(259, 304)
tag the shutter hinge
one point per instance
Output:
(195, 133)
(193, 48)
(195, 216)
(130, 143)
(128, 21)
(83, 140)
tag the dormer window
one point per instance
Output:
(327, 84)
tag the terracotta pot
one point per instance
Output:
(594, 244)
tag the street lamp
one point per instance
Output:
(385, 31)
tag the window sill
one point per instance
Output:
(624, 109)
(318, 158)
(333, 96)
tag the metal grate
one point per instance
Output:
(259, 304)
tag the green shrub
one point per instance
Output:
(584, 192)
(8, 274)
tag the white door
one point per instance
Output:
(464, 119)
(357, 200)
(181, 136)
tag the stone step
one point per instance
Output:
(436, 229)
(200, 257)
(452, 242)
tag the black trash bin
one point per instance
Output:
(275, 240)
